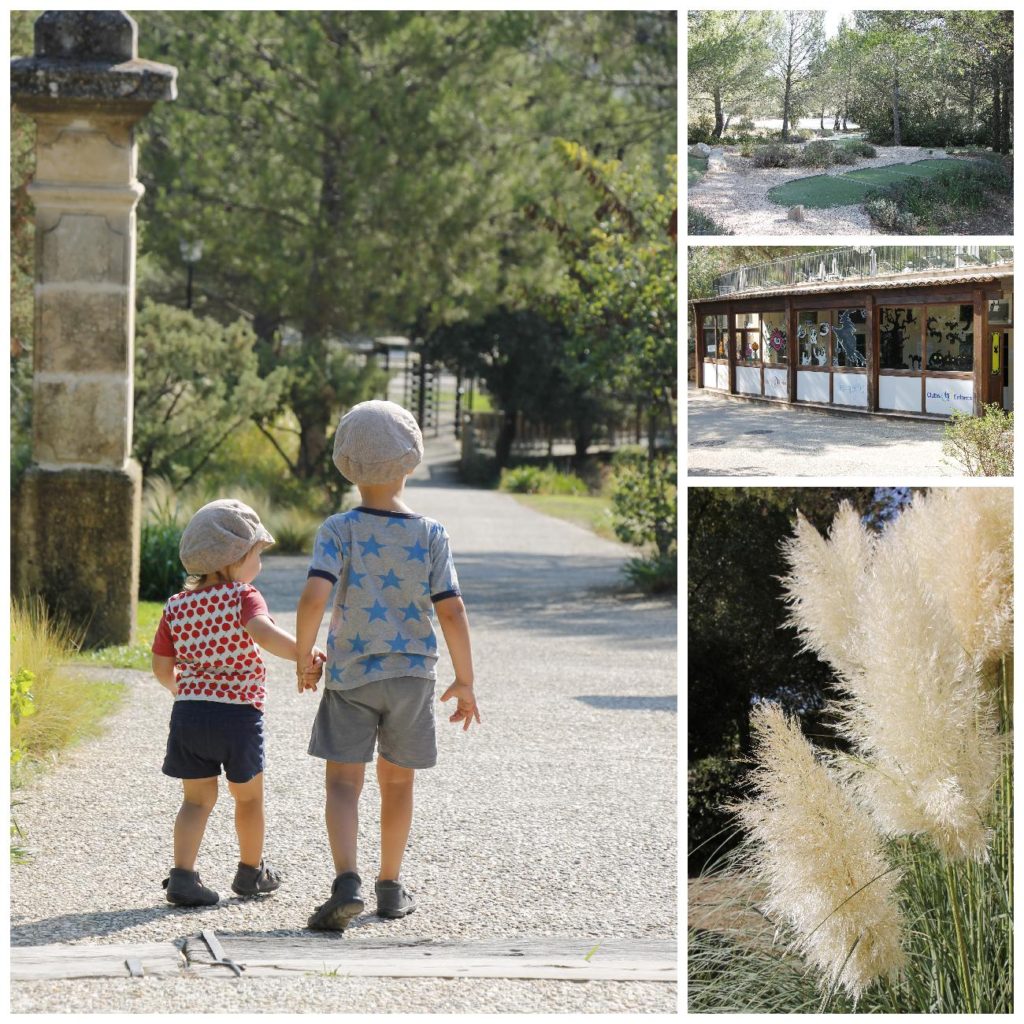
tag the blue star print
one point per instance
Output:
(412, 612)
(335, 673)
(330, 641)
(373, 664)
(417, 660)
(370, 547)
(355, 579)
(346, 547)
(430, 642)
(329, 548)
(399, 643)
(358, 644)
(417, 551)
(426, 588)
(378, 611)
(391, 580)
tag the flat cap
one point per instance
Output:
(377, 442)
(220, 534)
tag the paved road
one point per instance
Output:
(733, 437)
(556, 818)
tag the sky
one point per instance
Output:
(832, 19)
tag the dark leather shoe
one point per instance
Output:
(393, 899)
(346, 902)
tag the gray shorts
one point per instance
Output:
(398, 713)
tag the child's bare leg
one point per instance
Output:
(250, 823)
(344, 784)
(396, 784)
(199, 797)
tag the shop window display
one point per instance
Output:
(812, 338)
(899, 337)
(949, 339)
(774, 342)
(748, 339)
(849, 337)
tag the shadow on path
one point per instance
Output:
(667, 703)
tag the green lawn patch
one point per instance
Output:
(849, 189)
(136, 655)
(592, 513)
(696, 166)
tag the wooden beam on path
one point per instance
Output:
(341, 956)
(42, 963)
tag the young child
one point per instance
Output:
(205, 652)
(390, 566)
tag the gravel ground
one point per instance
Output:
(737, 199)
(733, 437)
(556, 817)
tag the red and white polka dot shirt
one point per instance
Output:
(214, 657)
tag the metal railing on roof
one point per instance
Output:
(858, 262)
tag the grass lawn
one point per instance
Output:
(481, 402)
(136, 655)
(850, 188)
(592, 513)
(695, 168)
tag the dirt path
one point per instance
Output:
(533, 825)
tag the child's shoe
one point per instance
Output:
(393, 899)
(186, 889)
(250, 881)
(346, 902)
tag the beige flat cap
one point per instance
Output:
(377, 442)
(220, 534)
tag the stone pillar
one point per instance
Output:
(76, 516)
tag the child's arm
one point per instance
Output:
(163, 669)
(272, 638)
(308, 616)
(451, 614)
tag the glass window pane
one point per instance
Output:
(812, 338)
(773, 338)
(744, 320)
(949, 339)
(849, 337)
(999, 311)
(899, 335)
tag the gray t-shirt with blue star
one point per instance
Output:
(390, 568)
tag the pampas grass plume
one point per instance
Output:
(820, 859)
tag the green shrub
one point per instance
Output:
(23, 704)
(886, 214)
(982, 445)
(701, 130)
(744, 124)
(825, 133)
(534, 480)
(775, 154)
(699, 223)
(747, 149)
(294, 530)
(655, 575)
(644, 501)
(860, 148)
(160, 570)
(818, 154)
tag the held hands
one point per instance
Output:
(466, 708)
(308, 674)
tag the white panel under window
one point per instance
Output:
(775, 383)
(748, 380)
(945, 396)
(723, 376)
(850, 389)
(710, 376)
(811, 387)
(900, 393)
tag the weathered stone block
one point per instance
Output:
(700, 149)
(84, 247)
(86, 35)
(82, 331)
(716, 161)
(76, 544)
(88, 151)
(81, 419)
(796, 213)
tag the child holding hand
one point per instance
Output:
(389, 569)
(207, 654)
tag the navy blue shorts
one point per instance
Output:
(206, 734)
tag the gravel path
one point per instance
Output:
(734, 437)
(557, 817)
(737, 199)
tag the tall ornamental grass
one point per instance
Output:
(885, 870)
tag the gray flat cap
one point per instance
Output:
(377, 442)
(220, 534)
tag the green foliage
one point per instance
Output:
(655, 575)
(860, 148)
(294, 530)
(161, 573)
(699, 223)
(196, 382)
(982, 445)
(644, 501)
(924, 205)
(820, 154)
(137, 655)
(22, 704)
(712, 783)
(701, 130)
(775, 154)
(534, 480)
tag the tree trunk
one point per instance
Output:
(785, 105)
(719, 117)
(821, 120)
(725, 127)
(506, 435)
(897, 136)
(1005, 134)
(313, 427)
(835, 123)
(972, 109)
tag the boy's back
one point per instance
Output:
(390, 567)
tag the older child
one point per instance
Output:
(391, 567)
(206, 653)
